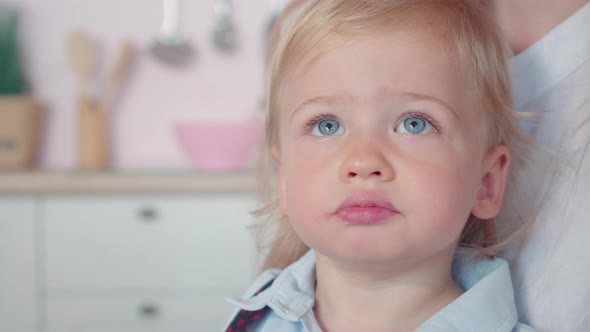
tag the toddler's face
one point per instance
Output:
(382, 149)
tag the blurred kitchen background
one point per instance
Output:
(128, 137)
(215, 85)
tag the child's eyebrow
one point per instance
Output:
(339, 99)
(419, 96)
(322, 100)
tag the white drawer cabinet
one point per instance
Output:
(18, 265)
(144, 313)
(107, 256)
(136, 243)
(123, 263)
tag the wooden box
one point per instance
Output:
(21, 119)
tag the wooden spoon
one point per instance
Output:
(117, 76)
(83, 55)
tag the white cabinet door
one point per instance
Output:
(104, 247)
(128, 314)
(18, 282)
(109, 244)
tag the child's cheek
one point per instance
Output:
(310, 158)
(313, 147)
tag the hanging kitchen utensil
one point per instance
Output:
(170, 46)
(276, 7)
(225, 33)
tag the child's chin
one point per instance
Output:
(367, 254)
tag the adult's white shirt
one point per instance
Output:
(551, 269)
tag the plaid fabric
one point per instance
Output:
(244, 320)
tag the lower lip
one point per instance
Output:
(358, 215)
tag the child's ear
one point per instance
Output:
(493, 183)
(281, 182)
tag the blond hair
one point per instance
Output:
(467, 31)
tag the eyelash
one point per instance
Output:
(309, 125)
(417, 114)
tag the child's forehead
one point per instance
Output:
(350, 19)
(383, 38)
(377, 69)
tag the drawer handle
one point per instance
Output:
(148, 214)
(149, 310)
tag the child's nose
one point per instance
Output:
(366, 162)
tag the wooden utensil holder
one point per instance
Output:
(94, 138)
(21, 119)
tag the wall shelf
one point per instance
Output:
(125, 182)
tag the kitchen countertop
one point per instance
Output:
(125, 182)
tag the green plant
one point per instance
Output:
(12, 81)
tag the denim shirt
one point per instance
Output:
(486, 305)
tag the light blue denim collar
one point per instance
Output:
(487, 303)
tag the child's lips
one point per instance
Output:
(365, 208)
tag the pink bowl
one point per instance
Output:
(219, 146)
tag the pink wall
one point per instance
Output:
(216, 86)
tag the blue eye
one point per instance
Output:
(414, 125)
(326, 127)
